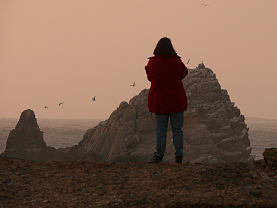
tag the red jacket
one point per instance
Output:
(166, 94)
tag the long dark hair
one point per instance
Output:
(165, 47)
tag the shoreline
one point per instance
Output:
(254, 142)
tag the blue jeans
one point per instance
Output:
(177, 121)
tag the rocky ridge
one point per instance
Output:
(214, 129)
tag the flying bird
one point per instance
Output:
(45, 107)
(133, 84)
(93, 98)
(60, 104)
(188, 61)
(206, 4)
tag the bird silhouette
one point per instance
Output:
(60, 104)
(188, 61)
(45, 107)
(206, 4)
(134, 84)
(93, 98)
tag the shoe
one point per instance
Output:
(156, 159)
(178, 159)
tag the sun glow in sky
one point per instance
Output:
(70, 51)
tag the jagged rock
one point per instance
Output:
(214, 129)
(201, 66)
(270, 157)
(26, 140)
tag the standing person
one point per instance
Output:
(167, 97)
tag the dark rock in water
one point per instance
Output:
(270, 157)
(214, 129)
(26, 132)
(26, 140)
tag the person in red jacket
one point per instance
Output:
(167, 97)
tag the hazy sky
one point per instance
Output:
(69, 51)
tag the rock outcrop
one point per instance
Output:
(214, 129)
(270, 157)
(26, 140)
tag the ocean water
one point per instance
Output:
(262, 135)
(68, 132)
(56, 132)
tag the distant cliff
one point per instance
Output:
(214, 129)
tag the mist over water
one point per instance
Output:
(68, 132)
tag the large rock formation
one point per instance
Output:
(214, 129)
(26, 140)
